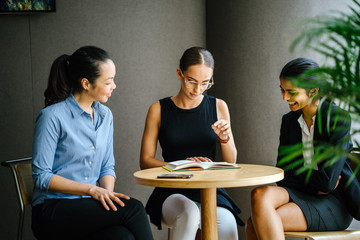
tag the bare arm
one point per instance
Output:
(107, 182)
(104, 193)
(63, 185)
(150, 136)
(222, 128)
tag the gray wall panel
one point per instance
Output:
(249, 40)
(16, 85)
(16, 111)
(144, 38)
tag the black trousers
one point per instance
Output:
(86, 218)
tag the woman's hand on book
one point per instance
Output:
(199, 159)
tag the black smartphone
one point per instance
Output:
(175, 176)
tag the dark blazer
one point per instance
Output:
(326, 177)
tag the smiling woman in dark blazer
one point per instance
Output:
(321, 203)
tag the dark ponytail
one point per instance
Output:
(58, 86)
(194, 56)
(67, 71)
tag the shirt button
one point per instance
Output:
(86, 178)
(90, 162)
(93, 147)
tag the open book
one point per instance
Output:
(187, 165)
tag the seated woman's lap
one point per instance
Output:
(324, 212)
(270, 199)
(77, 218)
(300, 211)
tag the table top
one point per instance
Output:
(246, 175)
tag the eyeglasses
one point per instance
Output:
(203, 85)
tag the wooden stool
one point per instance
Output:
(197, 237)
(329, 235)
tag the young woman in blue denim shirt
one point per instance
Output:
(73, 160)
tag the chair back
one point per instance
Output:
(22, 174)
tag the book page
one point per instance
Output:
(188, 165)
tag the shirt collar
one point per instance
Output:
(76, 110)
(303, 124)
(99, 108)
(74, 106)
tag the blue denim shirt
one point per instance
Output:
(67, 143)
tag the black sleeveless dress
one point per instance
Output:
(187, 133)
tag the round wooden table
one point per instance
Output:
(207, 181)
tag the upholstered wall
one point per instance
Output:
(249, 39)
(145, 39)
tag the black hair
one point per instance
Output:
(296, 67)
(194, 56)
(67, 71)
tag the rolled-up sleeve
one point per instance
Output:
(108, 164)
(44, 147)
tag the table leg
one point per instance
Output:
(208, 214)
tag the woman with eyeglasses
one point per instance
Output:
(188, 126)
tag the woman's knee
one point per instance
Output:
(134, 204)
(181, 204)
(177, 207)
(269, 197)
(133, 207)
(260, 194)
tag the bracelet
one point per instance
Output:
(223, 140)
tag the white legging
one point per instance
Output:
(183, 216)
